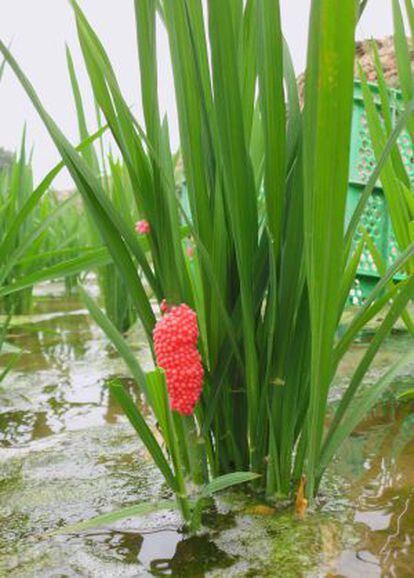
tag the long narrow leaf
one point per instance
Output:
(112, 517)
(147, 437)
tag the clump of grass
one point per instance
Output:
(272, 264)
(37, 230)
(41, 235)
(16, 183)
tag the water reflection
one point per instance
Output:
(383, 494)
(22, 427)
(59, 382)
(163, 552)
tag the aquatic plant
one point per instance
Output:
(38, 229)
(22, 263)
(273, 266)
(41, 235)
(16, 184)
(115, 180)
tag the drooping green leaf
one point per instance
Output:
(92, 260)
(226, 481)
(147, 437)
(116, 338)
(111, 518)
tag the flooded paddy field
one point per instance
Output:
(67, 453)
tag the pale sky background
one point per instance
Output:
(39, 29)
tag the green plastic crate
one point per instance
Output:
(375, 218)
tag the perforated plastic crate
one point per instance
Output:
(375, 219)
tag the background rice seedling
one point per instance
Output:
(38, 229)
(41, 235)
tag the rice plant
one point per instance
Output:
(271, 263)
(51, 229)
(38, 230)
(42, 237)
(115, 180)
(116, 297)
(16, 184)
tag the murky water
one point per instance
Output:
(67, 453)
